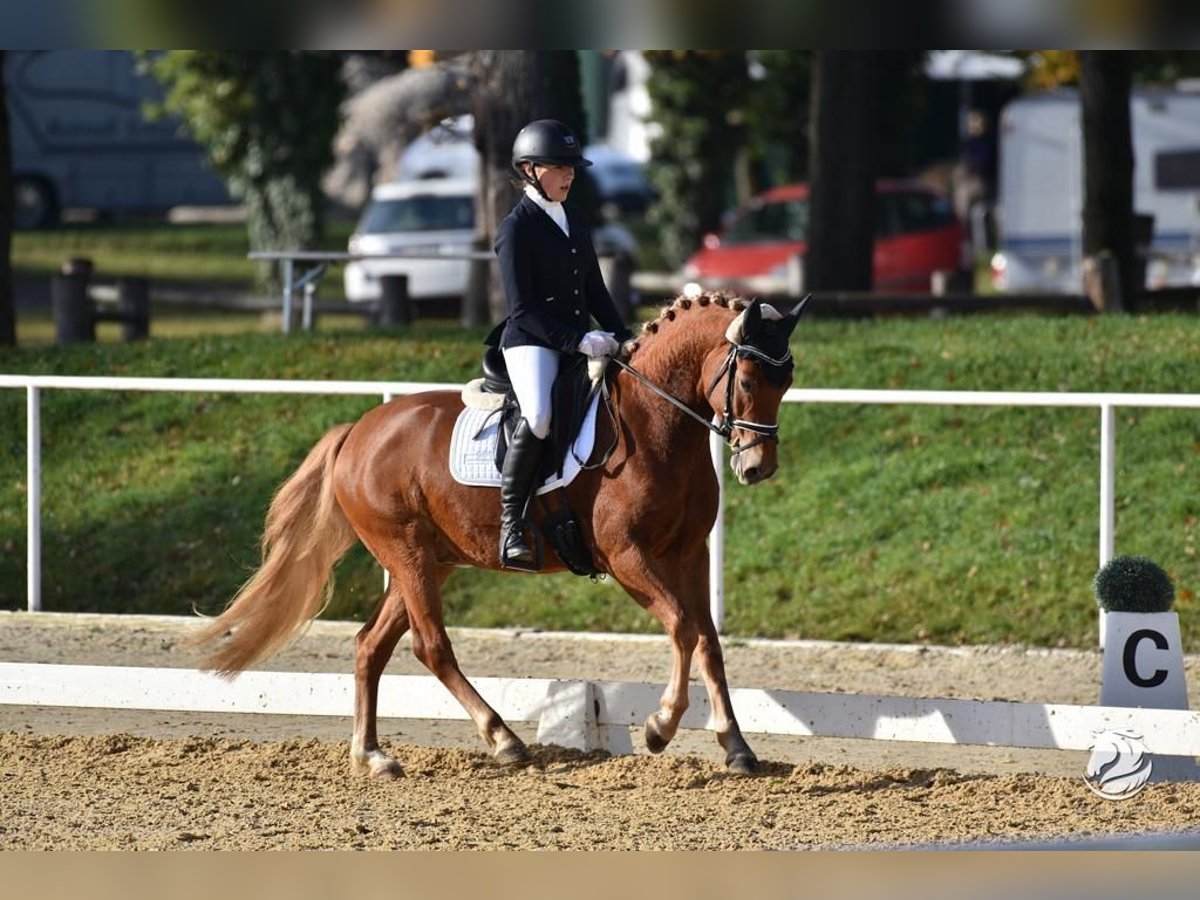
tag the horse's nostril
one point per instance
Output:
(752, 474)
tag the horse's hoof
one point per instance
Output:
(390, 772)
(377, 765)
(655, 741)
(742, 763)
(514, 754)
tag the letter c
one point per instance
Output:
(1130, 658)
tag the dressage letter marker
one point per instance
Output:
(1143, 667)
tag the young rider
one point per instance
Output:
(553, 287)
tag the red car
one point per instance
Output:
(916, 235)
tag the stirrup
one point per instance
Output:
(514, 532)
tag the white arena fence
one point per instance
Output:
(593, 714)
(1105, 403)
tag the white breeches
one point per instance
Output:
(532, 370)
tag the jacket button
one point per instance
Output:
(573, 250)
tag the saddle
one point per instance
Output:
(570, 395)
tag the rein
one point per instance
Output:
(728, 423)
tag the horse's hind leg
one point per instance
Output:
(374, 645)
(419, 578)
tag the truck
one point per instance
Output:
(1039, 196)
(80, 140)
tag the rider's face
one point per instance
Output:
(556, 180)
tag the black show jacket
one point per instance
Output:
(552, 281)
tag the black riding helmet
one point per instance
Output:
(546, 142)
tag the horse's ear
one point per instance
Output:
(751, 320)
(793, 316)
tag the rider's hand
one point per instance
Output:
(598, 343)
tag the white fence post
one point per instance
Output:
(33, 500)
(1108, 468)
(1108, 452)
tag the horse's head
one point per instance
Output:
(757, 372)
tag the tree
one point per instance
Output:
(512, 88)
(1109, 238)
(777, 119)
(778, 124)
(841, 222)
(267, 119)
(389, 107)
(8, 316)
(698, 98)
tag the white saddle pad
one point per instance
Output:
(473, 449)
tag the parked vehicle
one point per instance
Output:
(916, 236)
(448, 151)
(1039, 203)
(79, 139)
(428, 217)
(619, 179)
(425, 217)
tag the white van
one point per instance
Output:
(1039, 201)
(427, 217)
(431, 217)
(448, 151)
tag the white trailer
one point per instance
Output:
(1039, 200)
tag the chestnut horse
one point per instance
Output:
(645, 515)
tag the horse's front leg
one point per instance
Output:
(374, 645)
(676, 593)
(662, 725)
(738, 755)
(661, 590)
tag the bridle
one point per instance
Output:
(728, 423)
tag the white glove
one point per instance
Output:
(598, 343)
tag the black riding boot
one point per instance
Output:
(521, 465)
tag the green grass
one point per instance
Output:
(36, 328)
(906, 523)
(214, 254)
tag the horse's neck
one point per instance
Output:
(681, 353)
(680, 359)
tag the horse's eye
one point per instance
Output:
(746, 384)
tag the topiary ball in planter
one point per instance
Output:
(1133, 584)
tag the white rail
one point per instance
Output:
(1106, 403)
(591, 715)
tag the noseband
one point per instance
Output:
(729, 423)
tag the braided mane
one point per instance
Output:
(723, 299)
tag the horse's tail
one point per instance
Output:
(306, 532)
